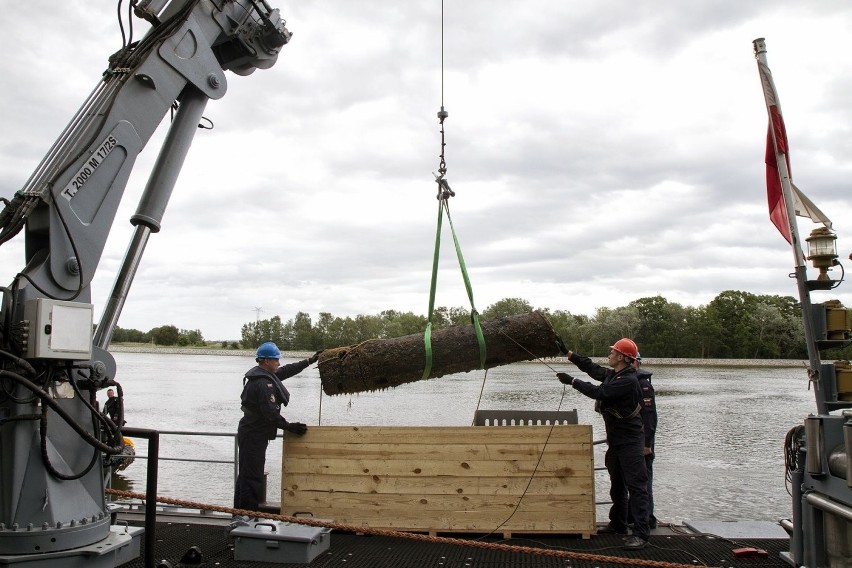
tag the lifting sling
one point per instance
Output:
(444, 193)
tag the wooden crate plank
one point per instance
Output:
(434, 468)
(346, 511)
(568, 521)
(417, 435)
(540, 485)
(485, 504)
(438, 450)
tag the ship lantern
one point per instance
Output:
(822, 250)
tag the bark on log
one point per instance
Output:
(379, 364)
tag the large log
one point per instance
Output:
(379, 364)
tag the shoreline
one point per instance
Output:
(650, 361)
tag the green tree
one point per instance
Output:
(443, 317)
(458, 316)
(783, 333)
(260, 331)
(735, 324)
(165, 335)
(397, 324)
(190, 337)
(303, 336)
(507, 307)
(251, 334)
(768, 325)
(569, 328)
(683, 337)
(340, 332)
(365, 327)
(732, 332)
(322, 330)
(663, 327)
(284, 333)
(627, 321)
(600, 330)
(121, 335)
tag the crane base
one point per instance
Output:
(120, 546)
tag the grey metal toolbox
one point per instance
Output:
(276, 541)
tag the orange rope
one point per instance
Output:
(408, 535)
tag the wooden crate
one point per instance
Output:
(444, 479)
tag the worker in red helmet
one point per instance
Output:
(649, 426)
(618, 398)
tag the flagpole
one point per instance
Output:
(770, 96)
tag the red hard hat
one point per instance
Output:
(626, 347)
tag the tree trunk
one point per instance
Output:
(378, 364)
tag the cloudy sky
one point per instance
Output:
(600, 152)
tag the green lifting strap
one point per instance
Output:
(474, 315)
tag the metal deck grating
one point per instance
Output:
(354, 551)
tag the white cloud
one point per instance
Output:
(600, 152)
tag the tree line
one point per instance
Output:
(734, 325)
(167, 335)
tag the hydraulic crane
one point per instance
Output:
(52, 505)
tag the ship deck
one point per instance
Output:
(668, 546)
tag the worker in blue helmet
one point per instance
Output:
(261, 400)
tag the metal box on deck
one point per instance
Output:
(275, 541)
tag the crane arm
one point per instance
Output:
(52, 435)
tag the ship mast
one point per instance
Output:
(802, 283)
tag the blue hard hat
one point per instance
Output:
(268, 351)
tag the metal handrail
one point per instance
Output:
(234, 461)
(233, 435)
(597, 469)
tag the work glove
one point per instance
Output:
(296, 428)
(313, 358)
(565, 378)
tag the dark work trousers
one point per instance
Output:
(628, 488)
(252, 446)
(649, 468)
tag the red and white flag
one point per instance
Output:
(776, 145)
(778, 173)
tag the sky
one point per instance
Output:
(600, 152)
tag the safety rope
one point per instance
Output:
(535, 469)
(479, 400)
(444, 194)
(319, 417)
(400, 534)
(443, 206)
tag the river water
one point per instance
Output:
(720, 442)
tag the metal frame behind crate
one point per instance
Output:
(524, 417)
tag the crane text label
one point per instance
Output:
(88, 168)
